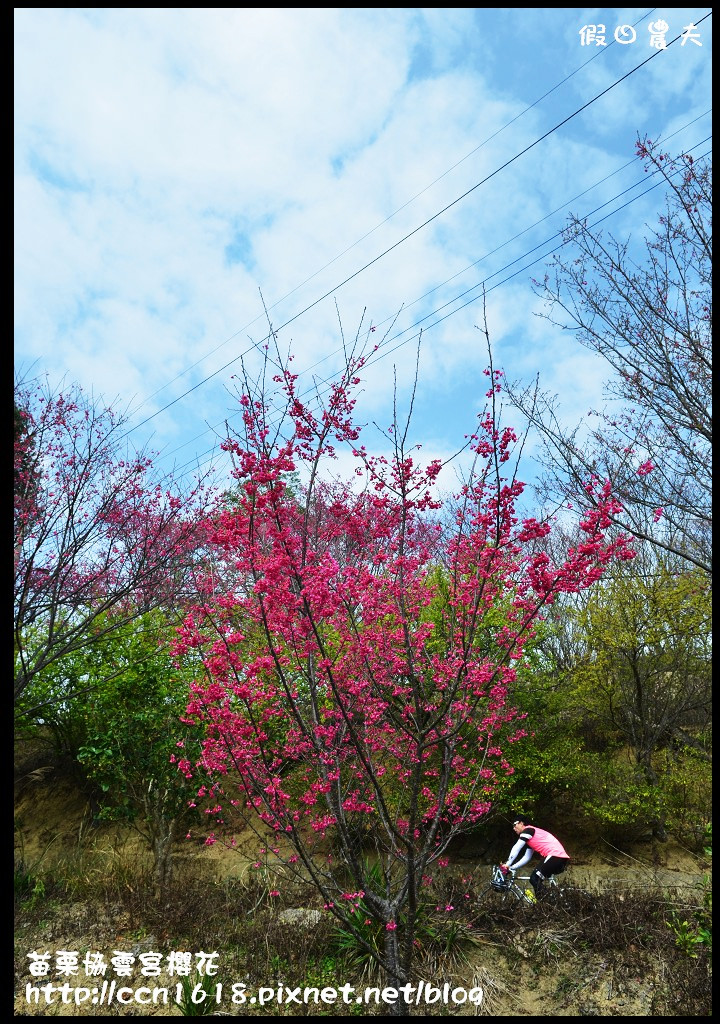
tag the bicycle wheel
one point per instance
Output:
(483, 895)
(520, 894)
(552, 892)
(491, 894)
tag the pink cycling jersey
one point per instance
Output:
(543, 842)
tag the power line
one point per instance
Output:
(515, 273)
(401, 343)
(410, 234)
(480, 260)
(506, 266)
(527, 266)
(519, 234)
(598, 53)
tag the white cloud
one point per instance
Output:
(172, 165)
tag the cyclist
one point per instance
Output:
(536, 840)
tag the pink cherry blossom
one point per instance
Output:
(355, 668)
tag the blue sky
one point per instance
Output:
(174, 169)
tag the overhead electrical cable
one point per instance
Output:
(501, 270)
(515, 273)
(420, 227)
(598, 53)
(383, 351)
(507, 241)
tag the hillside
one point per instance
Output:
(607, 950)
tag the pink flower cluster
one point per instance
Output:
(356, 666)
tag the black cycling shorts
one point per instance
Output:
(553, 866)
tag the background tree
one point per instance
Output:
(651, 322)
(553, 772)
(646, 678)
(111, 713)
(616, 690)
(133, 736)
(23, 477)
(50, 712)
(97, 529)
(350, 689)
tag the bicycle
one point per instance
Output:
(510, 885)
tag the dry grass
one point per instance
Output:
(630, 930)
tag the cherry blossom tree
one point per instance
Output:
(354, 705)
(100, 536)
(649, 317)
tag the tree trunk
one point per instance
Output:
(395, 976)
(657, 824)
(163, 833)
